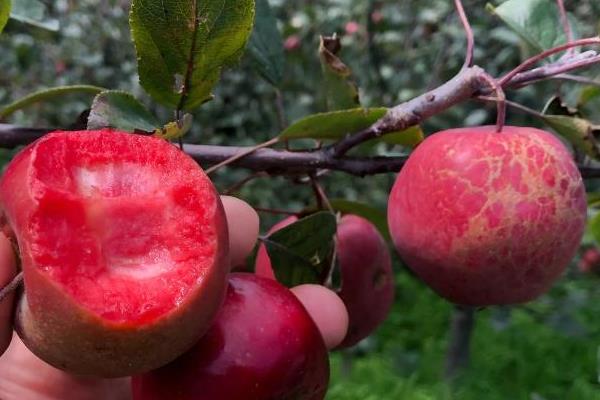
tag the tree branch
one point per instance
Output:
(459, 347)
(468, 83)
(273, 161)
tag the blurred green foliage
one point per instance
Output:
(547, 350)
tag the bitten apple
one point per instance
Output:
(486, 217)
(123, 243)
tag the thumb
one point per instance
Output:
(7, 273)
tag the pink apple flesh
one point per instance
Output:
(123, 244)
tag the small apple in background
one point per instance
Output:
(367, 287)
(263, 346)
(123, 244)
(486, 217)
(590, 261)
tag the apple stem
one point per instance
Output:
(500, 101)
(12, 286)
(469, 33)
(459, 348)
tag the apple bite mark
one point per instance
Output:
(126, 230)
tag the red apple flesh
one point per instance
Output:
(486, 217)
(123, 244)
(367, 287)
(262, 346)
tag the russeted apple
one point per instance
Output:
(367, 287)
(486, 217)
(263, 346)
(123, 244)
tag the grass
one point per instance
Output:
(546, 350)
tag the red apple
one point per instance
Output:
(124, 249)
(488, 218)
(590, 261)
(262, 346)
(366, 270)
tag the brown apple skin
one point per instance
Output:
(262, 346)
(488, 218)
(69, 335)
(367, 288)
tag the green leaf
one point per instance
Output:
(33, 12)
(590, 96)
(578, 131)
(593, 199)
(4, 13)
(374, 215)
(537, 22)
(182, 45)
(120, 110)
(266, 45)
(47, 94)
(337, 124)
(340, 90)
(301, 252)
(594, 227)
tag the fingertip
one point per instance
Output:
(7, 273)
(243, 225)
(327, 310)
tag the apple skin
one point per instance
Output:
(365, 264)
(262, 346)
(47, 222)
(486, 217)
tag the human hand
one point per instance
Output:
(24, 376)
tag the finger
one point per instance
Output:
(242, 222)
(7, 273)
(24, 376)
(327, 310)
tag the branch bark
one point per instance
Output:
(459, 348)
(273, 161)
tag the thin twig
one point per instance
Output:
(280, 108)
(275, 211)
(321, 196)
(468, 31)
(12, 286)
(512, 104)
(238, 185)
(545, 54)
(242, 154)
(576, 62)
(578, 79)
(564, 20)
